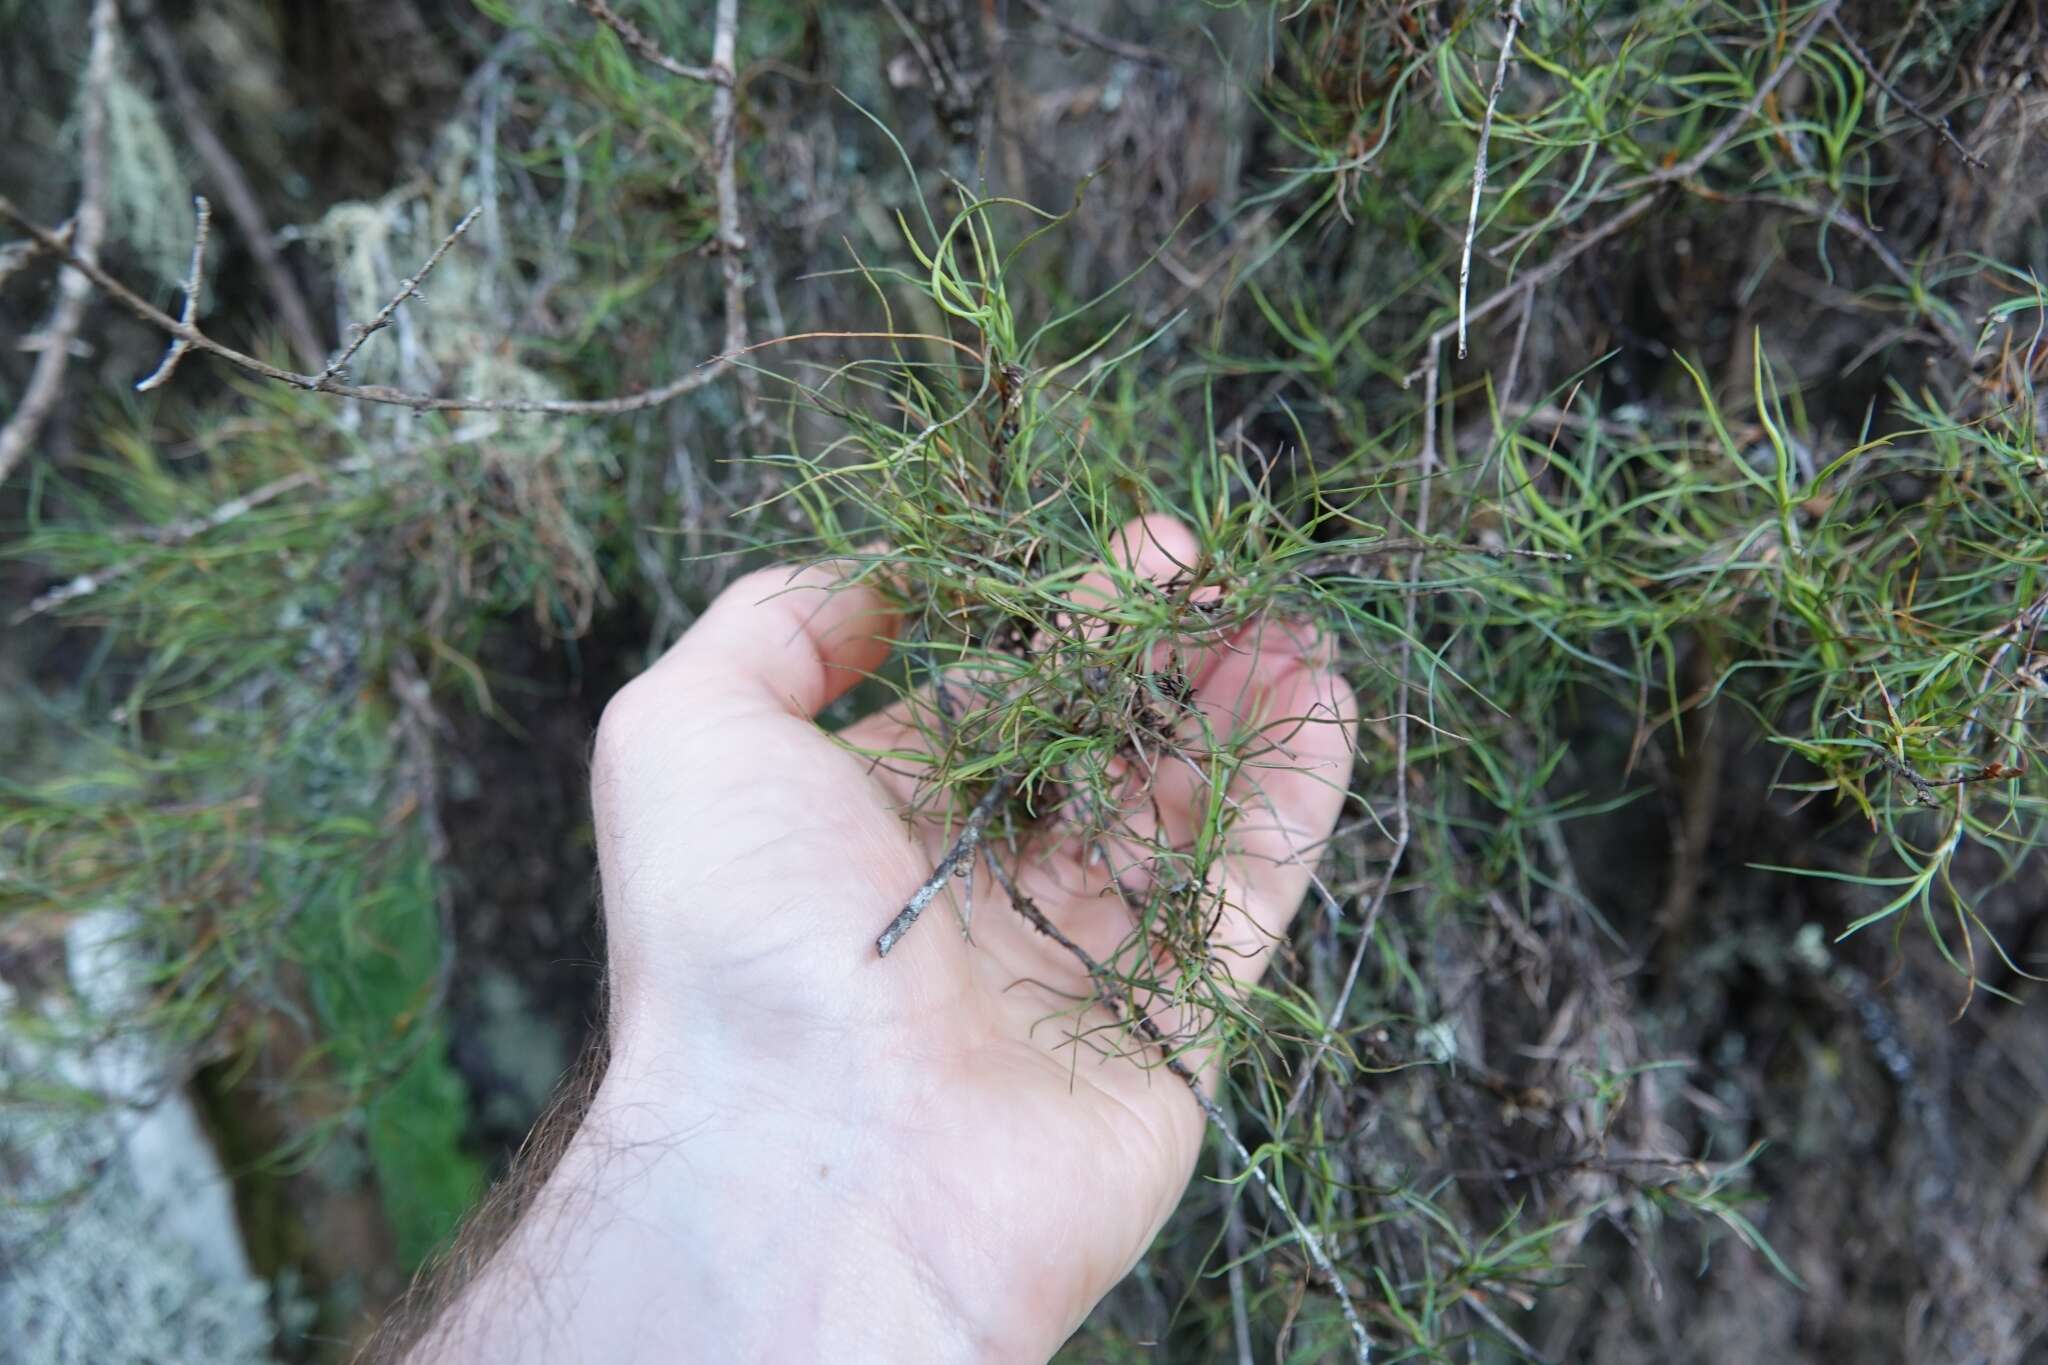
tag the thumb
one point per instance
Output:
(789, 640)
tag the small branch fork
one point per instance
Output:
(1926, 789)
(409, 289)
(722, 76)
(1114, 993)
(1833, 216)
(16, 256)
(195, 283)
(237, 197)
(959, 856)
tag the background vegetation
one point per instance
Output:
(1670, 990)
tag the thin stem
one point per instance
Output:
(81, 251)
(956, 857)
(631, 35)
(195, 282)
(366, 393)
(409, 289)
(1500, 77)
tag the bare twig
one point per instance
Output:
(1532, 281)
(409, 289)
(1655, 180)
(1368, 924)
(365, 393)
(2028, 625)
(722, 75)
(1234, 1248)
(46, 380)
(1925, 791)
(195, 283)
(1515, 352)
(293, 316)
(1500, 77)
(649, 51)
(1116, 995)
(732, 240)
(1938, 125)
(177, 533)
(956, 857)
(1492, 1319)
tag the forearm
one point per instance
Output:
(664, 1236)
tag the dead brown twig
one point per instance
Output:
(959, 856)
(81, 250)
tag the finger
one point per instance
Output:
(1159, 551)
(1287, 794)
(1153, 549)
(790, 640)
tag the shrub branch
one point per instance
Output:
(409, 289)
(195, 282)
(1500, 77)
(366, 393)
(80, 250)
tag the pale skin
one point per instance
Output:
(801, 1150)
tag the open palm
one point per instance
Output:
(934, 1105)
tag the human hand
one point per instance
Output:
(803, 1150)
